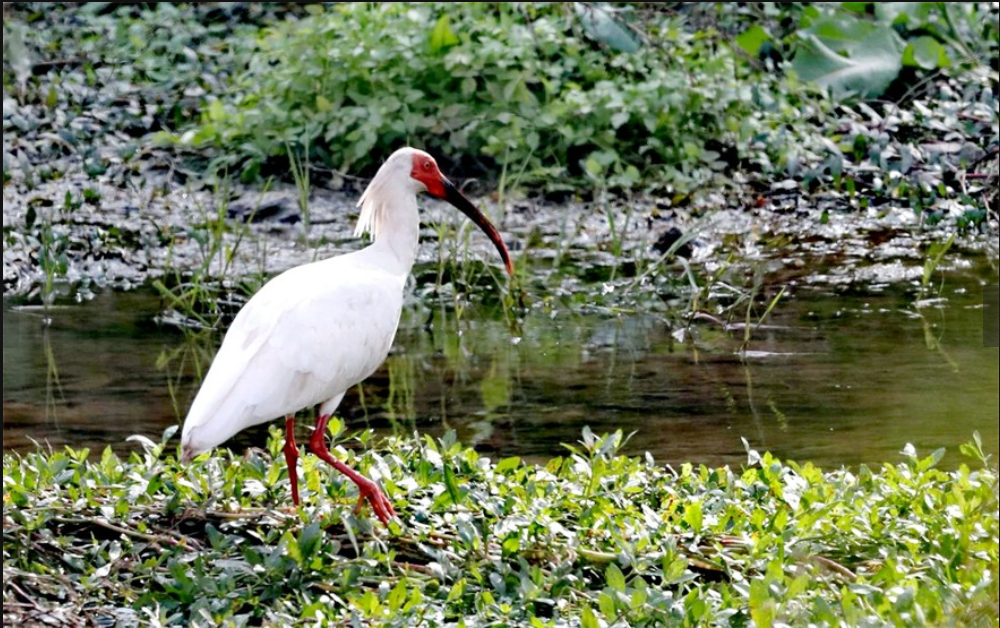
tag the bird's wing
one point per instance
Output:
(308, 335)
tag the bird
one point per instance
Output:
(315, 330)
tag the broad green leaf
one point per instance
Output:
(397, 597)
(507, 464)
(593, 167)
(442, 36)
(904, 12)
(858, 59)
(693, 516)
(309, 539)
(511, 545)
(216, 111)
(600, 24)
(457, 590)
(762, 608)
(615, 578)
(607, 605)
(856, 7)
(927, 53)
(322, 103)
(752, 39)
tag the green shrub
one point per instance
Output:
(523, 84)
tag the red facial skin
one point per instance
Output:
(426, 171)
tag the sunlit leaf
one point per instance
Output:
(614, 578)
(925, 52)
(693, 516)
(752, 39)
(441, 35)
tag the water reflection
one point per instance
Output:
(838, 376)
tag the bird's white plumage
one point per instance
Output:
(293, 346)
(315, 330)
(381, 196)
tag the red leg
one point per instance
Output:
(368, 489)
(292, 457)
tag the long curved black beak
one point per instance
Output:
(464, 205)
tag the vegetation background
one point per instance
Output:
(668, 110)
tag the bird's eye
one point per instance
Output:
(427, 165)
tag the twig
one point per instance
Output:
(994, 151)
(424, 569)
(59, 582)
(25, 596)
(243, 515)
(42, 67)
(835, 567)
(152, 538)
(32, 604)
(340, 174)
(706, 316)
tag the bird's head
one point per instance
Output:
(424, 170)
(425, 176)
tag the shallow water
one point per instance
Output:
(841, 374)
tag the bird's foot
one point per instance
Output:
(369, 490)
(380, 504)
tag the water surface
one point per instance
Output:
(839, 375)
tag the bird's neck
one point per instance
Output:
(397, 232)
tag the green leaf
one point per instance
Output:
(368, 603)
(935, 457)
(397, 597)
(457, 590)
(614, 578)
(927, 53)
(322, 103)
(216, 111)
(600, 24)
(511, 545)
(507, 464)
(854, 59)
(762, 607)
(693, 516)
(856, 7)
(588, 619)
(441, 35)
(452, 485)
(904, 12)
(309, 540)
(593, 167)
(752, 39)
(935, 255)
(607, 605)
(334, 427)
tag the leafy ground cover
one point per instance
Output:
(589, 539)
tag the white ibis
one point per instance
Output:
(315, 330)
